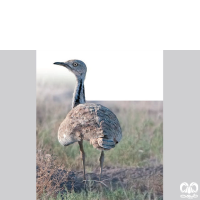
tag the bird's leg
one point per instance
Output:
(83, 157)
(101, 159)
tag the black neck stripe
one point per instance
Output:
(78, 95)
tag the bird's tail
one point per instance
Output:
(106, 143)
(103, 143)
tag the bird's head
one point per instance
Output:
(78, 67)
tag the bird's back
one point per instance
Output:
(92, 122)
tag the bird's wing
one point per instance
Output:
(111, 130)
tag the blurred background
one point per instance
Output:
(139, 153)
(141, 123)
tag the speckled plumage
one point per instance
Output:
(91, 122)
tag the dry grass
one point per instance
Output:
(52, 178)
(46, 168)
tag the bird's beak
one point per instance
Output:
(59, 63)
(62, 64)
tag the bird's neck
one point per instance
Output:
(79, 92)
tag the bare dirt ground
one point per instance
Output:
(137, 179)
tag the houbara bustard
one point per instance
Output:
(88, 121)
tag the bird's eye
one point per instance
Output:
(75, 64)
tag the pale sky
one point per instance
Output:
(119, 75)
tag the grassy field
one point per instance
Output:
(140, 147)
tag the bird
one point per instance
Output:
(88, 121)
